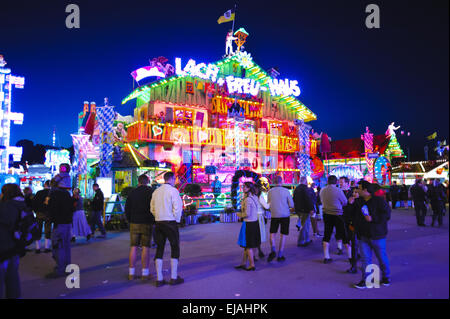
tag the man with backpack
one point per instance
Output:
(60, 208)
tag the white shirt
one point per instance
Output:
(166, 204)
(262, 205)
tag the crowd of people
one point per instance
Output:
(357, 214)
(53, 209)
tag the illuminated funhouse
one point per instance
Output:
(367, 157)
(216, 118)
(206, 122)
(7, 82)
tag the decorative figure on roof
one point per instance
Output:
(2, 61)
(441, 147)
(161, 64)
(391, 129)
(316, 135)
(241, 38)
(229, 43)
(119, 133)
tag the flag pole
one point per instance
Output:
(232, 28)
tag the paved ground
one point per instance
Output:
(419, 261)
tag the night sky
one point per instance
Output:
(350, 76)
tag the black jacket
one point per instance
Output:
(9, 218)
(394, 190)
(137, 206)
(418, 194)
(97, 202)
(348, 209)
(38, 201)
(60, 206)
(304, 201)
(437, 194)
(380, 212)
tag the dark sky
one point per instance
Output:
(350, 76)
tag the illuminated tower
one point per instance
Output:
(54, 136)
(368, 148)
(7, 81)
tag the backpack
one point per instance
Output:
(27, 231)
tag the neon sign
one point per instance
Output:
(236, 85)
(286, 87)
(201, 70)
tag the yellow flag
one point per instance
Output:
(432, 136)
(227, 17)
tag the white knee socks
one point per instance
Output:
(174, 267)
(349, 251)
(158, 266)
(326, 252)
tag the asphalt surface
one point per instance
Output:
(419, 258)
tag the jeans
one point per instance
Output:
(61, 237)
(9, 278)
(421, 212)
(303, 236)
(96, 220)
(366, 246)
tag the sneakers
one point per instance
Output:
(177, 281)
(327, 261)
(271, 257)
(386, 282)
(361, 285)
(282, 258)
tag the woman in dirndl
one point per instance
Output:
(249, 236)
(80, 226)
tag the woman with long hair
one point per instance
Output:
(80, 226)
(249, 237)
